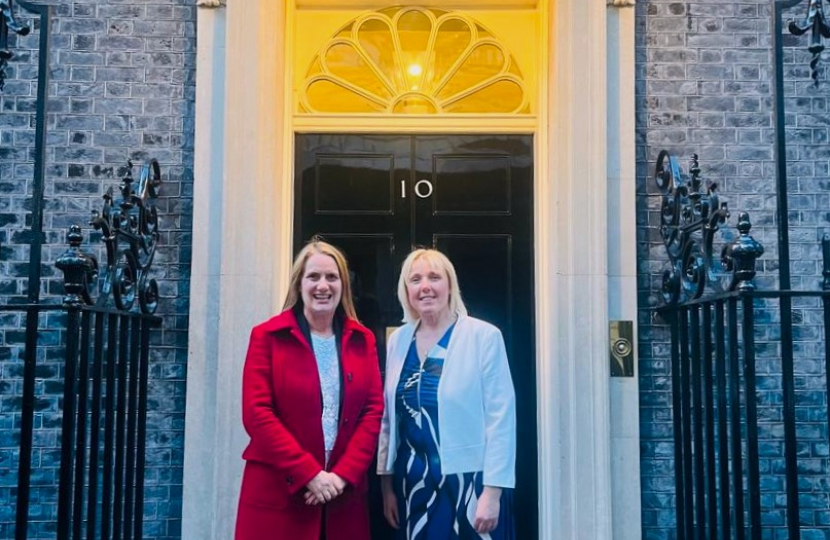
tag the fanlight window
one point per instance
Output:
(414, 61)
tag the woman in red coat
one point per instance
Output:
(312, 404)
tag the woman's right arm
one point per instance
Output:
(383, 440)
(389, 408)
(390, 501)
(274, 443)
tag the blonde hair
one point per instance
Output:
(436, 261)
(316, 246)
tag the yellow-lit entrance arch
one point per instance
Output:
(413, 60)
(412, 68)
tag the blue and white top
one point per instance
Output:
(476, 403)
(325, 351)
(431, 504)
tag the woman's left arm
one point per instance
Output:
(362, 445)
(499, 415)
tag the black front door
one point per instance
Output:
(471, 196)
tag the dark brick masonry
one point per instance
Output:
(704, 84)
(123, 83)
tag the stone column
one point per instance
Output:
(574, 416)
(622, 267)
(200, 489)
(239, 112)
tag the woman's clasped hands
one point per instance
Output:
(324, 487)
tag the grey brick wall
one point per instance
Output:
(704, 84)
(122, 87)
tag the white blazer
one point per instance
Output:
(476, 404)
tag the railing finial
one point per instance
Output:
(743, 253)
(79, 270)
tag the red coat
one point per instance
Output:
(282, 410)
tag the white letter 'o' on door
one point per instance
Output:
(419, 190)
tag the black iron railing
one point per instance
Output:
(104, 419)
(716, 318)
(103, 326)
(715, 400)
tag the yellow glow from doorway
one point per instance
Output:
(433, 54)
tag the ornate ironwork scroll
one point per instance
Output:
(816, 23)
(8, 23)
(130, 234)
(690, 217)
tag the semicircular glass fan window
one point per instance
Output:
(414, 61)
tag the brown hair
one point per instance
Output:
(294, 297)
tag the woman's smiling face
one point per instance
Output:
(428, 289)
(321, 286)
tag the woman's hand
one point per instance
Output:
(487, 510)
(390, 501)
(324, 488)
(339, 484)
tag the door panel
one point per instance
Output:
(354, 184)
(471, 185)
(350, 185)
(485, 293)
(378, 196)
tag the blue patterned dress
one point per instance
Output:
(432, 506)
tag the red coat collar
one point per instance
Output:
(283, 321)
(287, 320)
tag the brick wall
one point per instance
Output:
(704, 85)
(122, 87)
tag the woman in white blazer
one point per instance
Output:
(447, 448)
